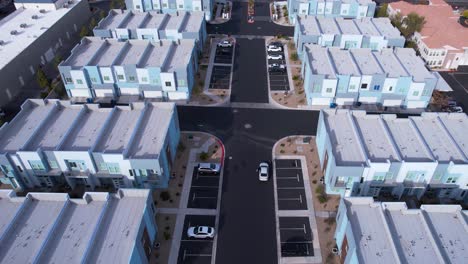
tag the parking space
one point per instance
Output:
(224, 55)
(296, 237)
(278, 77)
(203, 191)
(196, 250)
(290, 185)
(220, 77)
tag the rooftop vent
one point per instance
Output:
(13, 32)
(70, 2)
(24, 25)
(42, 11)
(35, 17)
(65, 5)
(2, 43)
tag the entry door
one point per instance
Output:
(325, 164)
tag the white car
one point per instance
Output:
(225, 44)
(456, 109)
(263, 171)
(275, 57)
(273, 48)
(200, 232)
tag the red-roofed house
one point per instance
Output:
(443, 41)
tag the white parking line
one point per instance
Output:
(213, 187)
(287, 178)
(194, 255)
(291, 199)
(303, 228)
(198, 240)
(201, 197)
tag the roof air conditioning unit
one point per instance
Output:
(65, 5)
(35, 17)
(70, 2)
(2, 43)
(42, 11)
(13, 32)
(24, 25)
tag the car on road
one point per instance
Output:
(200, 232)
(263, 169)
(225, 44)
(275, 56)
(209, 168)
(274, 48)
(275, 67)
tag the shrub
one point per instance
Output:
(294, 56)
(465, 14)
(314, 181)
(322, 199)
(181, 147)
(330, 220)
(204, 156)
(165, 195)
(167, 235)
(282, 151)
(295, 77)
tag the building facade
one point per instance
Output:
(132, 70)
(443, 41)
(126, 24)
(101, 227)
(373, 33)
(330, 8)
(31, 37)
(382, 155)
(390, 77)
(389, 232)
(172, 6)
(54, 143)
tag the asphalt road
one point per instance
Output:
(247, 219)
(238, 24)
(458, 81)
(249, 81)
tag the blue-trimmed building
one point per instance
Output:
(151, 25)
(172, 6)
(373, 33)
(396, 78)
(98, 228)
(54, 143)
(126, 71)
(331, 8)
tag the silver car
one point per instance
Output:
(200, 232)
(209, 168)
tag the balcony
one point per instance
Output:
(53, 172)
(78, 174)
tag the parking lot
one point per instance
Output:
(290, 185)
(278, 80)
(224, 55)
(196, 250)
(203, 191)
(296, 237)
(220, 77)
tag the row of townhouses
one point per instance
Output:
(53, 143)
(172, 6)
(151, 25)
(98, 228)
(31, 36)
(389, 77)
(125, 71)
(390, 232)
(331, 8)
(373, 33)
(387, 156)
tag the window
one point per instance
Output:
(103, 166)
(181, 82)
(106, 78)
(390, 88)
(329, 90)
(181, 6)
(344, 12)
(143, 173)
(376, 87)
(93, 80)
(415, 176)
(197, 8)
(352, 87)
(53, 164)
(416, 93)
(443, 53)
(437, 176)
(155, 81)
(113, 168)
(79, 81)
(379, 176)
(68, 80)
(131, 173)
(168, 83)
(131, 78)
(440, 62)
(389, 175)
(37, 165)
(362, 14)
(452, 179)
(426, 92)
(19, 168)
(304, 11)
(364, 86)
(164, 5)
(316, 88)
(137, 6)
(120, 76)
(144, 79)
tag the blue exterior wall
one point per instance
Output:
(138, 255)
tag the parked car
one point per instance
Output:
(275, 56)
(262, 170)
(275, 67)
(451, 103)
(225, 44)
(274, 48)
(2, 113)
(209, 168)
(200, 232)
(456, 109)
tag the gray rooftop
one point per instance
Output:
(413, 64)
(366, 27)
(320, 61)
(366, 61)
(389, 63)
(156, 54)
(384, 137)
(389, 232)
(347, 26)
(343, 62)
(52, 228)
(328, 25)
(180, 55)
(385, 27)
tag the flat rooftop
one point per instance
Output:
(180, 56)
(14, 135)
(347, 148)
(150, 136)
(156, 54)
(320, 61)
(154, 20)
(389, 63)
(343, 62)
(413, 64)
(347, 26)
(132, 53)
(16, 43)
(385, 27)
(366, 63)
(308, 25)
(366, 26)
(83, 52)
(57, 229)
(193, 21)
(457, 126)
(328, 25)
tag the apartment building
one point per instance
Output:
(172, 6)
(389, 77)
(383, 155)
(330, 8)
(127, 24)
(373, 33)
(31, 36)
(443, 41)
(390, 232)
(55, 143)
(101, 70)
(98, 228)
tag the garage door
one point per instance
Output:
(344, 101)
(129, 91)
(177, 95)
(104, 93)
(152, 94)
(368, 99)
(80, 93)
(392, 103)
(321, 101)
(416, 104)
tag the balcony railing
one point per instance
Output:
(75, 173)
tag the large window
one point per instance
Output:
(37, 165)
(113, 168)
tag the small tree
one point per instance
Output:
(382, 12)
(92, 23)
(413, 23)
(57, 60)
(84, 32)
(294, 56)
(204, 156)
(465, 14)
(42, 79)
(102, 14)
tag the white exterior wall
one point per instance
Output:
(107, 71)
(153, 94)
(329, 83)
(362, 11)
(356, 81)
(415, 87)
(121, 33)
(27, 156)
(328, 8)
(79, 75)
(147, 31)
(321, 8)
(356, 38)
(326, 38)
(303, 8)
(80, 92)
(119, 70)
(84, 156)
(168, 77)
(389, 83)
(321, 101)
(428, 167)
(197, 6)
(177, 95)
(344, 9)
(143, 73)
(104, 93)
